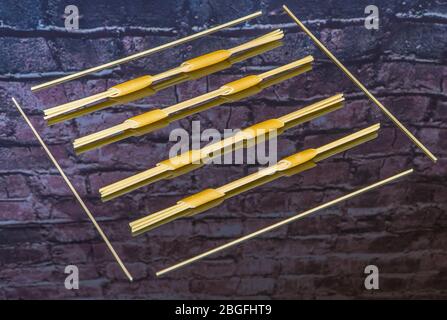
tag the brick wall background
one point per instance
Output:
(401, 227)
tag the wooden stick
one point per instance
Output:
(145, 53)
(361, 86)
(284, 222)
(75, 193)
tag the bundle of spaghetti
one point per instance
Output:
(164, 84)
(158, 125)
(145, 52)
(210, 197)
(142, 82)
(159, 114)
(234, 148)
(275, 126)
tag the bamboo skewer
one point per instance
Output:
(361, 86)
(210, 195)
(146, 52)
(75, 193)
(284, 222)
(159, 114)
(200, 156)
(134, 85)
